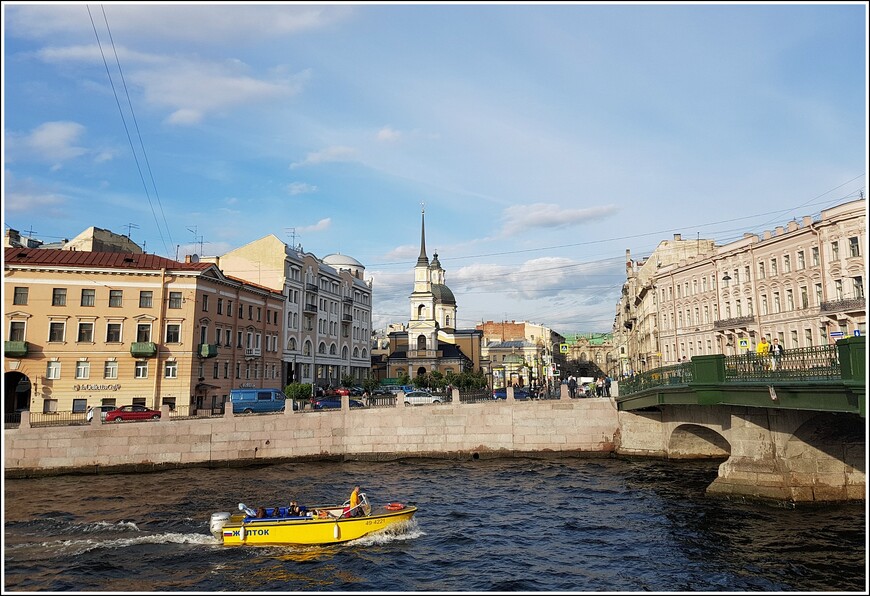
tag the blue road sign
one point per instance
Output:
(857, 332)
(837, 334)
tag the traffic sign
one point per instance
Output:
(744, 344)
(857, 333)
(837, 334)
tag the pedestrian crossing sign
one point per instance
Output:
(744, 344)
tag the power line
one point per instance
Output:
(126, 129)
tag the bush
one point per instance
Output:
(298, 391)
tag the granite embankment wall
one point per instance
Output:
(455, 430)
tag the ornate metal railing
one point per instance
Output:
(734, 322)
(675, 374)
(846, 305)
(797, 364)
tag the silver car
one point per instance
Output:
(415, 398)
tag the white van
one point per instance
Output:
(248, 401)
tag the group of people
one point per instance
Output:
(600, 388)
(354, 509)
(769, 354)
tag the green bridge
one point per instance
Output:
(791, 429)
(828, 378)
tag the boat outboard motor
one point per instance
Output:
(216, 525)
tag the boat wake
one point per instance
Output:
(395, 533)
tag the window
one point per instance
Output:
(88, 297)
(853, 247)
(173, 333)
(170, 371)
(220, 306)
(815, 254)
(58, 297)
(146, 297)
(818, 294)
(141, 369)
(83, 369)
(228, 337)
(204, 303)
(805, 297)
(16, 331)
(801, 261)
(773, 268)
(764, 304)
(80, 405)
(86, 333)
(776, 304)
(20, 296)
(55, 331)
(143, 332)
(113, 333)
(250, 313)
(116, 297)
(838, 289)
(857, 287)
(174, 299)
(786, 263)
(229, 308)
(52, 370)
(835, 250)
(110, 370)
(789, 299)
(760, 270)
(749, 306)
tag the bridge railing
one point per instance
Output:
(797, 364)
(674, 374)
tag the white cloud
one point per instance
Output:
(388, 134)
(401, 253)
(520, 218)
(320, 226)
(300, 188)
(45, 203)
(53, 141)
(330, 154)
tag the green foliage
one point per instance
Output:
(370, 384)
(404, 380)
(298, 391)
(348, 381)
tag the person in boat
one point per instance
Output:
(276, 512)
(295, 509)
(354, 508)
(261, 512)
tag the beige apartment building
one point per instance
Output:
(804, 283)
(85, 328)
(326, 326)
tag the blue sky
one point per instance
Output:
(544, 140)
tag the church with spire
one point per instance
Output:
(431, 341)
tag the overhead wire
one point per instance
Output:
(127, 130)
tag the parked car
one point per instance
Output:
(415, 398)
(135, 412)
(325, 403)
(519, 393)
(102, 409)
(342, 390)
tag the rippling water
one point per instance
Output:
(578, 525)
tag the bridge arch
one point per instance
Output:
(694, 441)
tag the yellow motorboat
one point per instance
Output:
(320, 524)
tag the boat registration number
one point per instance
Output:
(375, 522)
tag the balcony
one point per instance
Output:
(311, 288)
(847, 305)
(143, 349)
(347, 300)
(310, 308)
(207, 350)
(734, 322)
(15, 349)
(347, 318)
(252, 352)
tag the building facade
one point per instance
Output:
(87, 328)
(326, 327)
(519, 353)
(804, 283)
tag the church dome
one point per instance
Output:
(443, 294)
(339, 261)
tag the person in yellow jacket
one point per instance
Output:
(762, 353)
(354, 509)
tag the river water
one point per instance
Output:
(525, 525)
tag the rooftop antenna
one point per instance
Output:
(31, 232)
(130, 227)
(196, 238)
(292, 232)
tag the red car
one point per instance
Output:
(135, 412)
(342, 391)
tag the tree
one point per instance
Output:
(298, 391)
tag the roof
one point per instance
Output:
(339, 260)
(109, 260)
(443, 294)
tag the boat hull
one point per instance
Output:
(239, 530)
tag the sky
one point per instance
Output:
(543, 140)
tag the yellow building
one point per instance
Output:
(88, 328)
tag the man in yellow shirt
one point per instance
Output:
(353, 506)
(762, 352)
